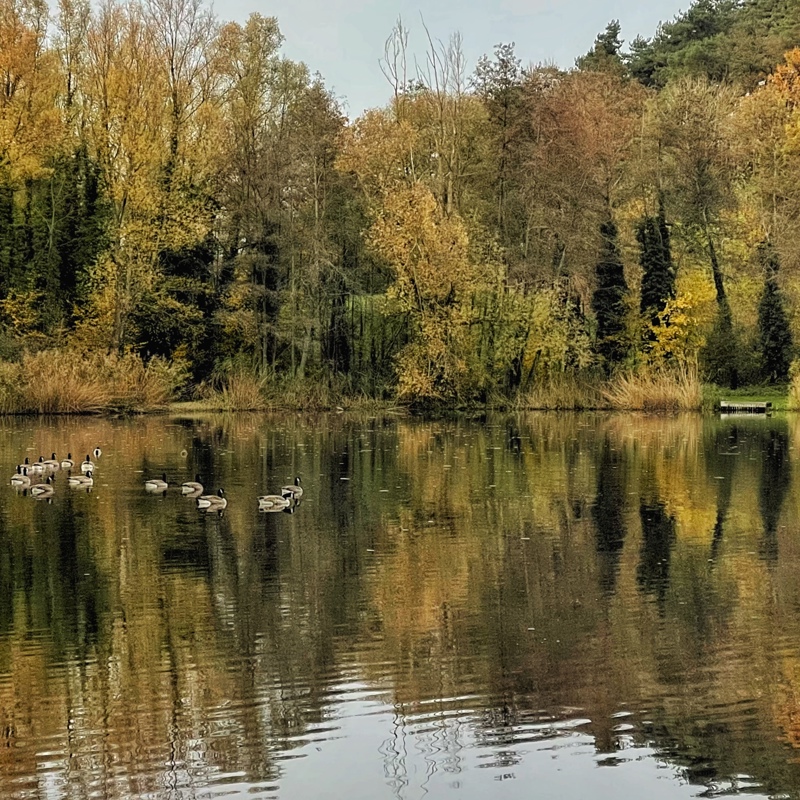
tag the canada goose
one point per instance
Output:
(81, 481)
(293, 492)
(157, 484)
(21, 477)
(97, 452)
(38, 467)
(43, 489)
(24, 465)
(52, 463)
(213, 501)
(68, 463)
(273, 501)
(87, 466)
(192, 487)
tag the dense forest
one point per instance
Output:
(185, 212)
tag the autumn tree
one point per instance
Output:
(498, 83)
(576, 168)
(693, 118)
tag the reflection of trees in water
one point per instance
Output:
(658, 539)
(48, 575)
(237, 631)
(774, 482)
(608, 513)
(722, 456)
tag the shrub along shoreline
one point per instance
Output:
(71, 382)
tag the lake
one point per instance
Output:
(537, 605)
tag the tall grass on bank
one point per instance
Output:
(793, 402)
(70, 382)
(563, 392)
(677, 389)
(238, 389)
(241, 389)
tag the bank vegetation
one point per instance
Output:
(187, 214)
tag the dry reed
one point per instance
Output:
(560, 393)
(70, 382)
(793, 402)
(677, 389)
(239, 390)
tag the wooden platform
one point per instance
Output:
(726, 407)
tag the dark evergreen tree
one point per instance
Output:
(658, 280)
(722, 353)
(608, 300)
(605, 53)
(774, 333)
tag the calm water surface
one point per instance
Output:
(548, 606)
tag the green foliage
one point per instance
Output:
(775, 335)
(605, 54)
(655, 258)
(608, 300)
(724, 357)
(722, 40)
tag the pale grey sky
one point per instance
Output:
(343, 39)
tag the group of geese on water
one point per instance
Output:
(38, 477)
(287, 500)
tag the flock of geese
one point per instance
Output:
(288, 499)
(38, 476)
(38, 479)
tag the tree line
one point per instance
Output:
(175, 187)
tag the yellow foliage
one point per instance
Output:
(426, 249)
(677, 389)
(680, 334)
(435, 283)
(556, 336)
(30, 122)
(21, 310)
(379, 151)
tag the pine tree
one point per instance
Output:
(658, 280)
(608, 300)
(605, 53)
(774, 334)
(722, 353)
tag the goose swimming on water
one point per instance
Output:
(87, 466)
(21, 477)
(157, 484)
(43, 489)
(38, 467)
(81, 481)
(293, 492)
(273, 501)
(213, 501)
(192, 487)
